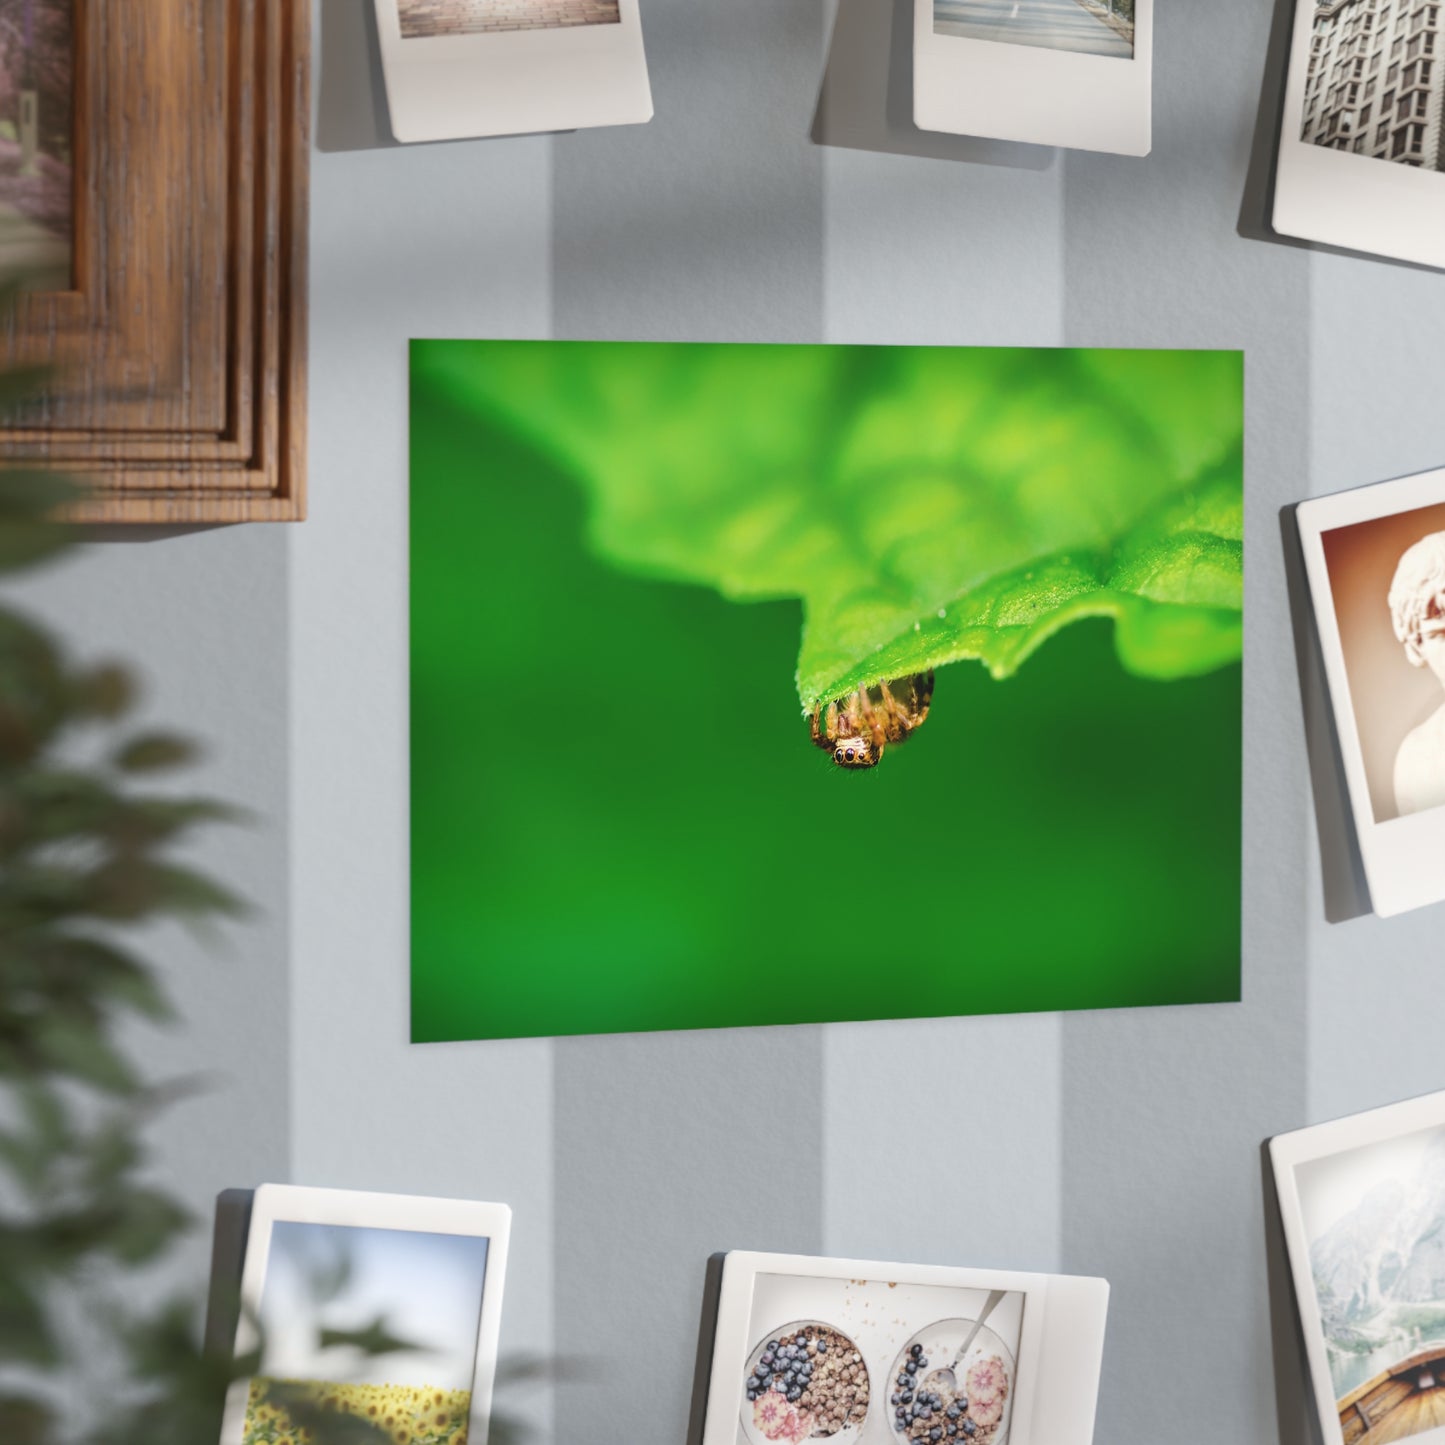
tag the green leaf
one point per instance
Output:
(926, 504)
(25, 1420)
(374, 1339)
(154, 752)
(96, 971)
(26, 1336)
(106, 692)
(147, 1222)
(66, 1046)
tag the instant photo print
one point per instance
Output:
(328, 1273)
(857, 1352)
(1362, 1201)
(511, 67)
(1074, 73)
(1362, 147)
(1376, 564)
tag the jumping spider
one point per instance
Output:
(855, 728)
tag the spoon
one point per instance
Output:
(946, 1377)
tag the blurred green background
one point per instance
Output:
(602, 842)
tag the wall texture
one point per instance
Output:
(1127, 1143)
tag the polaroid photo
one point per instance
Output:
(856, 1352)
(1362, 1200)
(330, 1273)
(1073, 73)
(511, 67)
(1362, 149)
(1376, 564)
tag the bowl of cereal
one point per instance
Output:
(804, 1381)
(940, 1396)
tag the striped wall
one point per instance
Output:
(1125, 1144)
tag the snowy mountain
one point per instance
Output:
(1386, 1252)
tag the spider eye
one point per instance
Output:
(850, 755)
(839, 755)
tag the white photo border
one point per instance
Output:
(515, 82)
(1401, 855)
(416, 1214)
(1337, 198)
(1323, 1141)
(1060, 1348)
(1030, 93)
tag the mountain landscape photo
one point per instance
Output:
(1379, 1267)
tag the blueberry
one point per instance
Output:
(801, 1340)
(953, 1412)
(908, 1397)
(794, 1394)
(894, 1398)
(779, 1386)
(915, 1350)
(953, 1429)
(911, 1367)
(969, 1427)
(935, 1433)
(752, 1394)
(772, 1344)
(903, 1379)
(822, 1347)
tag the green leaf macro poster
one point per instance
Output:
(642, 572)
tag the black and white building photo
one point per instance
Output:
(1374, 84)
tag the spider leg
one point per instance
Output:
(878, 728)
(905, 717)
(900, 720)
(829, 735)
(922, 685)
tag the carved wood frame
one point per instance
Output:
(179, 356)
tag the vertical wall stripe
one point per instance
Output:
(439, 240)
(1371, 421)
(938, 240)
(705, 225)
(1164, 1109)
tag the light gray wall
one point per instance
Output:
(1127, 1142)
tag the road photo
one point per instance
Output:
(1087, 27)
(429, 19)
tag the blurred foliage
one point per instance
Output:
(85, 862)
(85, 865)
(927, 504)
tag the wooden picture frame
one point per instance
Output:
(178, 358)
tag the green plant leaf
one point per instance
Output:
(25, 1420)
(373, 1339)
(65, 1045)
(153, 752)
(925, 504)
(26, 1336)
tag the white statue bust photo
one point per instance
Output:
(1417, 608)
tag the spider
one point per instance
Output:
(855, 728)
